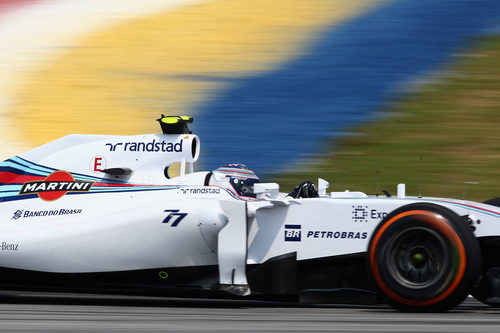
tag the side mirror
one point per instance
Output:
(322, 186)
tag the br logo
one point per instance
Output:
(292, 233)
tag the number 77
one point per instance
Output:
(174, 213)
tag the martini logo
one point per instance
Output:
(55, 186)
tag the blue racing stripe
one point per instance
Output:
(25, 167)
(28, 166)
(469, 207)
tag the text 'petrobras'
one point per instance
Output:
(337, 234)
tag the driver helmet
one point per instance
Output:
(238, 178)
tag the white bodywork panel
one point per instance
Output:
(232, 243)
(144, 220)
(131, 232)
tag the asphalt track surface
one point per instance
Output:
(30, 312)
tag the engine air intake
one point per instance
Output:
(175, 124)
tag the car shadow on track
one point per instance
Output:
(23, 297)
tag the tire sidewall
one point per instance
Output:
(463, 258)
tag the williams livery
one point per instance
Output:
(128, 214)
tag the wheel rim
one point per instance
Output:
(418, 258)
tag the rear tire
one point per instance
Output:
(424, 258)
(484, 290)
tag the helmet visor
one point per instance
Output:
(243, 187)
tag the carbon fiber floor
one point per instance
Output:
(60, 313)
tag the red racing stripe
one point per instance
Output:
(15, 178)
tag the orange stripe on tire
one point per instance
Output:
(440, 224)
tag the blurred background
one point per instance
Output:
(359, 92)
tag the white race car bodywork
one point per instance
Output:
(91, 233)
(126, 215)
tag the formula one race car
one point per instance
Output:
(128, 214)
